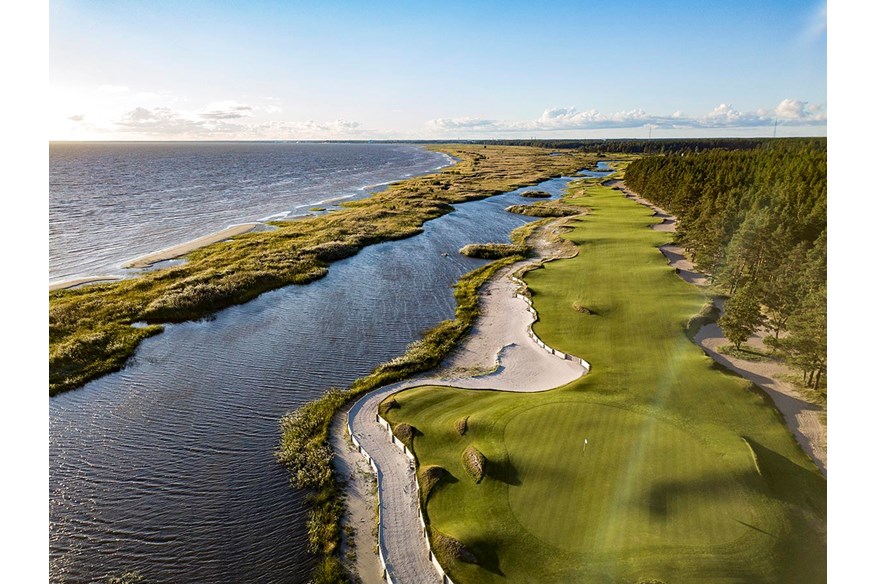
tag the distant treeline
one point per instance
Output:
(756, 221)
(611, 145)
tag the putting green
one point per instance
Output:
(634, 472)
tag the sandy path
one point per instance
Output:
(189, 246)
(498, 354)
(805, 418)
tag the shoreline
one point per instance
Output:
(802, 417)
(181, 249)
(498, 355)
(297, 252)
(299, 211)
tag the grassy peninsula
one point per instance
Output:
(90, 328)
(658, 466)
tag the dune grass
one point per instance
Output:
(688, 473)
(90, 331)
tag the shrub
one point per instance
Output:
(449, 548)
(461, 426)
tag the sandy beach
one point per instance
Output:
(72, 283)
(189, 246)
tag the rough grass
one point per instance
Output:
(544, 210)
(430, 476)
(535, 195)
(475, 463)
(493, 251)
(687, 475)
(89, 327)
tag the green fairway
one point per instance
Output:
(688, 473)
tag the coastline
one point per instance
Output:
(235, 271)
(184, 248)
(131, 267)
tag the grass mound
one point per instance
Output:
(544, 210)
(389, 403)
(405, 433)
(578, 307)
(475, 463)
(461, 425)
(449, 548)
(430, 476)
(493, 251)
(535, 195)
(707, 315)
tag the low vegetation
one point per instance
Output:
(430, 476)
(535, 195)
(544, 210)
(475, 463)
(90, 332)
(493, 251)
(688, 474)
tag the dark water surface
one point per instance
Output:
(166, 467)
(112, 202)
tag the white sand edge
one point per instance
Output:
(189, 246)
(803, 417)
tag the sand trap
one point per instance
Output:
(189, 246)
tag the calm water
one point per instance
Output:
(110, 203)
(167, 468)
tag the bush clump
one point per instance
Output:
(475, 463)
(449, 548)
(461, 425)
(545, 210)
(386, 405)
(405, 433)
(429, 478)
(493, 251)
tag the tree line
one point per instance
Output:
(755, 221)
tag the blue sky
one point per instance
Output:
(380, 69)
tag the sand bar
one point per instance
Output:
(189, 246)
(72, 283)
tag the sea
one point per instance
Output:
(166, 468)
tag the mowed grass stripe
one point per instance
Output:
(667, 487)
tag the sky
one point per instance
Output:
(220, 70)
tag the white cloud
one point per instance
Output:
(216, 121)
(76, 117)
(226, 110)
(788, 112)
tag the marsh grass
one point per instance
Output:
(493, 251)
(90, 331)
